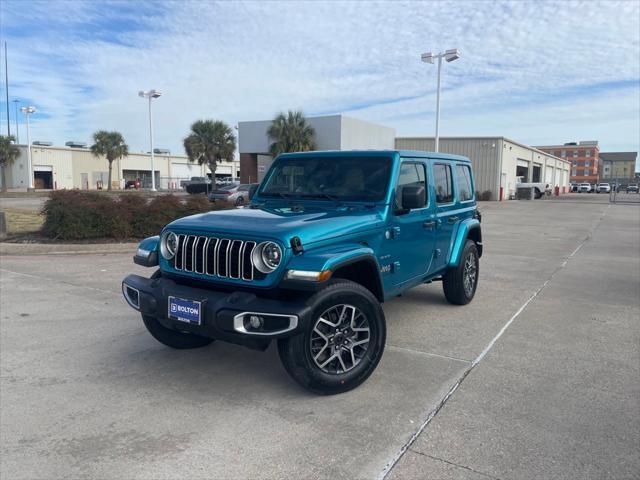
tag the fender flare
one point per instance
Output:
(464, 229)
(151, 245)
(334, 259)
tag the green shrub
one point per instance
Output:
(76, 215)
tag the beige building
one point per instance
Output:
(498, 162)
(618, 165)
(64, 167)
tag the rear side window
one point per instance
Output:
(443, 182)
(463, 180)
(411, 173)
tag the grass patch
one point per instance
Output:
(21, 222)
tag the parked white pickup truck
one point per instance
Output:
(540, 187)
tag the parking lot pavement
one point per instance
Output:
(86, 392)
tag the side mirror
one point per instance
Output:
(413, 196)
(252, 191)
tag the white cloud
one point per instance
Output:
(530, 70)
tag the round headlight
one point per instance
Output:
(267, 256)
(169, 245)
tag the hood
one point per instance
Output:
(310, 224)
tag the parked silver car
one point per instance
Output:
(235, 193)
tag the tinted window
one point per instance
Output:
(342, 178)
(463, 181)
(443, 182)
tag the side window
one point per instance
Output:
(443, 182)
(463, 180)
(411, 173)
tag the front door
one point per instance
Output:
(412, 232)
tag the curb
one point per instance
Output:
(66, 248)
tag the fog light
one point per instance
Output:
(256, 322)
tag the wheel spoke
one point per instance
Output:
(344, 367)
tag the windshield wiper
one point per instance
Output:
(320, 195)
(277, 194)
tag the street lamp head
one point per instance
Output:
(149, 94)
(451, 55)
(428, 57)
(28, 109)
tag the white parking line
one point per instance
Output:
(387, 468)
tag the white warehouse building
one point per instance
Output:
(498, 161)
(71, 167)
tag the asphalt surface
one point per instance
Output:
(539, 377)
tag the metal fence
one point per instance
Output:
(623, 191)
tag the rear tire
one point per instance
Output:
(240, 201)
(342, 343)
(460, 283)
(172, 338)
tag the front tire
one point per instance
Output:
(173, 338)
(342, 343)
(460, 283)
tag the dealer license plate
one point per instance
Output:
(183, 310)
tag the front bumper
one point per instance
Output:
(221, 313)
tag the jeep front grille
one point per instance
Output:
(216, 257)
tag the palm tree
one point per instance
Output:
(291, 133)
(210, 142)
(111, 145)
(9, 152)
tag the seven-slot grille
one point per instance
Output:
(220, 257)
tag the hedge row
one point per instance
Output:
(75, 215)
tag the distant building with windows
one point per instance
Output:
(583, 156)
(618, 165)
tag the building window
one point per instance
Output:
(575, 163)
(563, 153)
(443, 182)
(463, 181)
(574, 172)
(575, 154)
(588, 153)
(587, 163)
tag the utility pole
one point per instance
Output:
(16, 101)
(6, 83)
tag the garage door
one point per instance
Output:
(184, 171)
(548, 176)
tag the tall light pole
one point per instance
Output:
(16, 101)
(28, 111)
(449, 56)
(151, 94)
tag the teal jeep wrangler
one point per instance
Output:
(327, 238)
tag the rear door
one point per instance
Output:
(445, 212)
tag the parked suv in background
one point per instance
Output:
(327, 238)
(584, 188)
(632, 188)
(603, 188)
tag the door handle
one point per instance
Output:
(453, 219)
(429, 224)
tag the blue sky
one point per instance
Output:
(536, 72)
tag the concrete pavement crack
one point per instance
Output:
(454, 464)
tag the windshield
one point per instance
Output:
(334, 178)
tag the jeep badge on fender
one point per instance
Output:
(301, 263)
